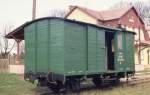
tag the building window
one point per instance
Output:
(119, 40)
(131, 19)
(142, 56)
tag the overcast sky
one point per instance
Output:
(16, 12)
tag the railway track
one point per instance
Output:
(139, 78)
(135, 81)
(89, 86)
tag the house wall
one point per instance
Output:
(131, 22)
(143, 55)
(131, 19)
(112, 23)
(78, 15)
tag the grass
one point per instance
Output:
(141, 89)
(12, 84)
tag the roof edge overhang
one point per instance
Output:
(20, 29)
(75, 7)
(12, 34)
(143, 43)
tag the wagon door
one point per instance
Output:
(96, 50)
(129, 52)
(119, 51)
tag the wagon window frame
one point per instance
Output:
(120, 38)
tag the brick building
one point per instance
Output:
(128, 18)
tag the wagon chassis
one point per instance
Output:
(57, 82)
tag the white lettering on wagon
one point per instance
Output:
(120, 58)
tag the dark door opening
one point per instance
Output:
(109, 38)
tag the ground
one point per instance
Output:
(12, 84)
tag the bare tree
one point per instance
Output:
(58, 13)
(6, 45)
(142, 9)
(121, 4)
(22, 52)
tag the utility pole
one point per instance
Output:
(19, 41)
(139, 28)
(34, 10)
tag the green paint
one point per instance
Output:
(71, 48)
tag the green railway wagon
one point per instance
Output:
(60, 52)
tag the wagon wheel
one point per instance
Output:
(116, 81)
(42, 82)
(97, 81)
(29, 76)
(56, 87)
(32, 78)
(73, 84)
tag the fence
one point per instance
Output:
(4, 65)
(9, 65)
(18, 69)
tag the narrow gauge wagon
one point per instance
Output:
(60, 52)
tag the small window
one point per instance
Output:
(119, 40)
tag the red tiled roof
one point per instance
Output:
(104, 15)
(115, 13)
(142, 43)
(95, 14)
